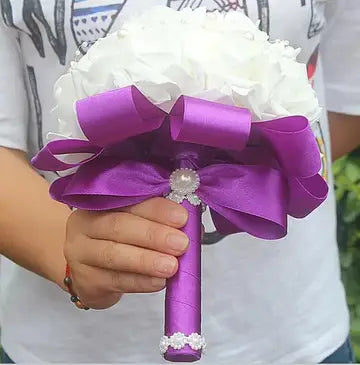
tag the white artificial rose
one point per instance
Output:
(167, 53)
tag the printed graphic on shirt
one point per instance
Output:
(93, 19)
(264, 15)
(7, 14)
(227, 5)
(211, 5)
(34, 18)
(317, 21)
(37, 104)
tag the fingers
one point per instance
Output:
(160, 210)
(107, 286)
(134, 283)
(126, 258)
(134, 230)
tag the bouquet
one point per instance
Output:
(197, 107)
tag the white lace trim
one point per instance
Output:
(178, 341)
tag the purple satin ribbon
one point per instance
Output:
(253, 175)
(183, 291)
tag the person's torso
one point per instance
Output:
(263, 301)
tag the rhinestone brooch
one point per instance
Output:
(184, 183)
(178, 341)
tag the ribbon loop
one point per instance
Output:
(211, 124)
(292, 138)
(108, 183)
(258, 212)
(77, 152)
(116, 115)
(305, 195)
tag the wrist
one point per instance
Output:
(55, 265)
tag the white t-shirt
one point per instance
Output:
(262, 301)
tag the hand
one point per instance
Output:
(131, 251)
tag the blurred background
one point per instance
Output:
(347, 183)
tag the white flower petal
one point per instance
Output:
(213, 56)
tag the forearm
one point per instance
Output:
(32, 225)
(345, 133)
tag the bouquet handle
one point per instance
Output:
(183, 298)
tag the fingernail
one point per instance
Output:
(177, 242)
(178, 216)
(158, 283)
(165, 265)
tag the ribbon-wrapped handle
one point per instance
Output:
(183, 297)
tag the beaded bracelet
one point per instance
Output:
(68, 283)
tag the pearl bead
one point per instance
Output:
(196, 341)
(184, 181)
(164, 344)
(250, 36)
(178, 341)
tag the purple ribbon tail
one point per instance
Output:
(48, 158)
(183, 293)
(305, 195)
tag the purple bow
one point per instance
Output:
(270, 170)
(252, 175)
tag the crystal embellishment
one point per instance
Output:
(183, 184)
(178, 341)
(194, 199)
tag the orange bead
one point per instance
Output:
(80, 305)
